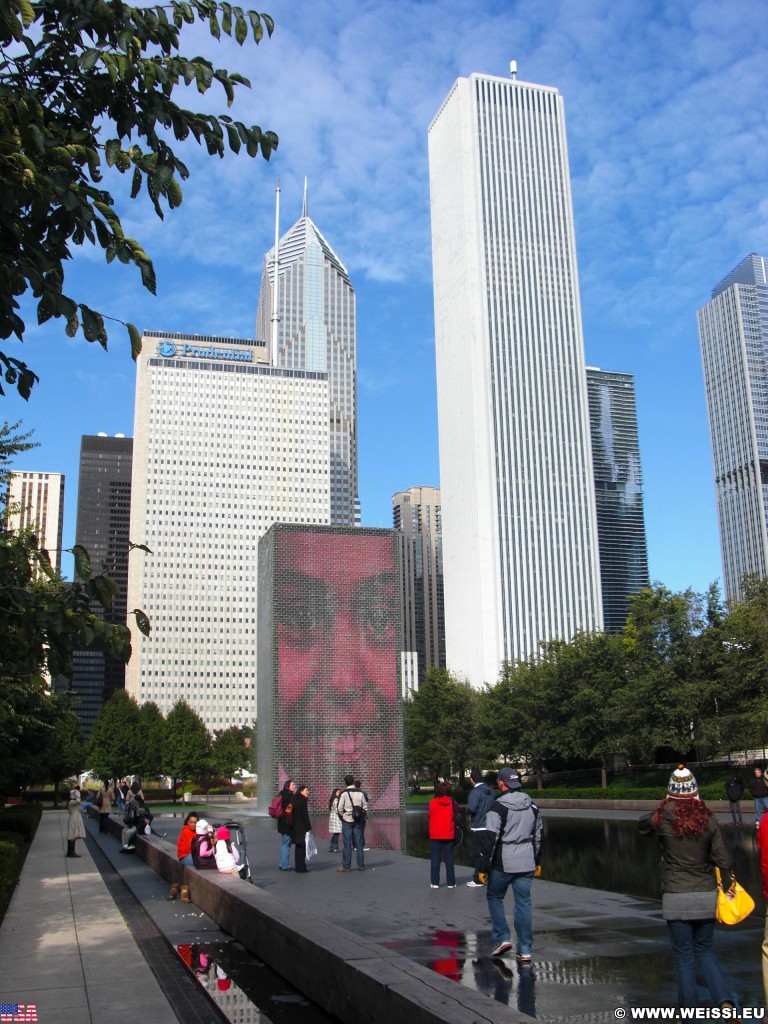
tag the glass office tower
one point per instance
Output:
(733, 331)
(618, 492)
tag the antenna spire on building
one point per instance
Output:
(276, 265)
(305, 208)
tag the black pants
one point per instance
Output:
(103, 821)
(476, 855)
(300, 857)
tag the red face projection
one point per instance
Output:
(338, 703)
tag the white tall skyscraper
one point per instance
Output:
(316, 330)
(38, 499)
(733, 331)
(519, 527)
(224, 446)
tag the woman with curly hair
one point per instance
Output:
(691, 844)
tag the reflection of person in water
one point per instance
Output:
(337, 660)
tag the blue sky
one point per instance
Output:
(668, 143)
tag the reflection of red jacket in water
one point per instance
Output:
(441, 818)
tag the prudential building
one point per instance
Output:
(520, 547)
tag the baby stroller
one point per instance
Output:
(238, 838)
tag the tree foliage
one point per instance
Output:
(88, 86)
(439, 725)
(152, 740)
(187, 746)
(64, 755)
(231, 751)
(115, 746)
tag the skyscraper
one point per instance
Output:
(103, 529)
(38, 499)
(309, 323)
(519, 525)
(733, 331)
(224, 446)
(418, 521)
(618, 492)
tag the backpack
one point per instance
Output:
(276, 809)
(100, 798)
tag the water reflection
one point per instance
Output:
(609, 855)
(244, 988)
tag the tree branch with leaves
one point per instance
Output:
(85, 86)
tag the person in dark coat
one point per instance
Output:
(691, 843)
(759, 791)
(479, 802)
(301, 825)
(734, 789)
(285, 824)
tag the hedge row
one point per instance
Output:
(18, 825)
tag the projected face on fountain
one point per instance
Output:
(338, 701)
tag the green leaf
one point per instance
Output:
(142, 622)
(136, 183)
(214, 26)
(241, 28)
(93, 326)
(88, 59)
(135, 337)
(82, 562)
(138, 547)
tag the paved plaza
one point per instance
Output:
(75, 939)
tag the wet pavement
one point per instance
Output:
(595, 950)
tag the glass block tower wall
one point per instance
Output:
(328, 663)
(519, 522)
(317, 331)
(103, 528)
(418, 519)
(733, 332)
(224, 446)
(618, 492)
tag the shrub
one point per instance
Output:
(23, 819)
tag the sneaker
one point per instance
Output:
(161, 835)
(502, 948)
(524, 959)
(450, 887)
(366, 849)
(434, 887)
(475, 885)
(344, 870)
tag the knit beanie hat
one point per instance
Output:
(223, 833)
(682, 784)
(202, 827)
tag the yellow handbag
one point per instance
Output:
(733, 904)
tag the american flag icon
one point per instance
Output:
(18, 1013)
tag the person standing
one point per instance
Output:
(122, 796)
(104, 800)
(442, 835)
(285, 824)
(479, 802)
(762, 845)
(734, 789)
(75, 826)
(511, 850)
(334, 821)
(352, 808)
(691, 842)
(301, 826)
(759, 791)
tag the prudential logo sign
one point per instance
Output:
(169, 350)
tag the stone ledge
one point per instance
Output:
(352, 978)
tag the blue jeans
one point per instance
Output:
(692, 945)
(496, 890)
(187, 860)
(285, 852)
(761, 806)
(349, 829)
(442, 849)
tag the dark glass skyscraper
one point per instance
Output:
(618, 491)
(103, 522)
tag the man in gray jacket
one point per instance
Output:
(511, 850)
